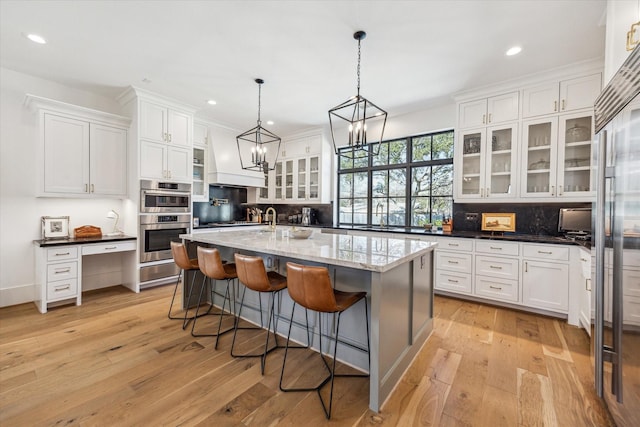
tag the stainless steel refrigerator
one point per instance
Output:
(616, 337)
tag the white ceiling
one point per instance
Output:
(416, 53)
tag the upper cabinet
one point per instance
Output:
(160, 123)
(488, 111)
(200, 187)
(82, 152)
(561, 96)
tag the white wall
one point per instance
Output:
(620, 15)
(20, 210)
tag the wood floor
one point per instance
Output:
(118, 361)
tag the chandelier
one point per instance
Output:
(258, 147)
(362, 116)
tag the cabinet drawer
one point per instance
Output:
(501, 289)
(498, 248)
(506, 268)
(456, 282)
(452, 261)
(631, 283)
(105, 248)
(456, 244)
(555, 252)
(62, 289)
(61, 253)
(62, 271)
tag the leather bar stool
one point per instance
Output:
(253, 275)
(182, 260)
(213, 268)
(310, 287)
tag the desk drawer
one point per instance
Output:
(62, 271)
(550, 252)
(456, 244)
(506, 268)
(494, 288)
(452, 261)
(497, 248)
(61, 253)
(105, 248)
(62, 289)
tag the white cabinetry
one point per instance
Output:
(161, 123)
(454, 266)
(561, 96)
(545, 277)
(488, 111)
(556, 161)
(81, 152)
(488, 160)
(200, 186)
(496, 269)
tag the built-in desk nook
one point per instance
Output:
(67, 267)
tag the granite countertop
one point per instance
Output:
(74, 241)
(355, 251)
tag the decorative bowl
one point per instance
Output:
(301, 233)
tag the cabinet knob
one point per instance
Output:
(559, 190)
(555, 105)
(169, 137)
(484, 119)
(562, 105)
(489, 117)
(92, 188)
(526, 266)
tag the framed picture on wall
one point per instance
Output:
(499, 222)
(55, 227)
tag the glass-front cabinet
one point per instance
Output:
(488, 158)
(557, 159)
(199, 187)
(278, 181)
(301, 184)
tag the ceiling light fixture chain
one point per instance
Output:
(259, 81)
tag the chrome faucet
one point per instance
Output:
(381, 206)
(272, 222)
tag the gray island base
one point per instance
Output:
(396, 273)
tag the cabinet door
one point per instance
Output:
(540, 100)
(575, 133)
(263, 192)
(178, 162)
(200, 134)
(152, 160)
(502, 108)
(66, 155)
(539, 158)
(545, 285)
(470, 152)
(279, 181)
(288, 179)
(301, 181)
(179, 128)
(472, 113)
(579, 93)
(199, 188)
(314, 178)
(501, 162)
(153, 121)
(108, 160)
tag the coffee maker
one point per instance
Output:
(308, 216)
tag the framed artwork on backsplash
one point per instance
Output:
(502, 222)
(55, 227)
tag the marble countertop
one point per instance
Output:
(74, 241)
(364, 252)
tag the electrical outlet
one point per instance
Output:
(471, 216)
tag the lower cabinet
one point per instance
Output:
(545, 285)
(454, 266)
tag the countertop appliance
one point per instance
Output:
(575, 223)
(616, 332)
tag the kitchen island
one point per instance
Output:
(396, 273)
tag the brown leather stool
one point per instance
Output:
(182, 260)
(253, 275)
(310, 287)
(212, 267)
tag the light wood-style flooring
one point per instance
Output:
(118, 361)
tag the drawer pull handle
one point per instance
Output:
(62, 288)
(495, 287)
(583, 259)
(495, 248)
(495, 267)
(452, 281)
(108, 248)
(62, 253)
(545, 252)
(453, 244)
(452, 262)
(62, 270)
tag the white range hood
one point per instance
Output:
(225, 168)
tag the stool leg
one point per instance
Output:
(226, 296)
(186, 319)
(175, 289)
(193, 325)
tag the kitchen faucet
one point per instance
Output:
(272, 223)
(381, 206)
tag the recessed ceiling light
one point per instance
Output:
(36, 38)
(211, 102)
(514, 51)
(269, 122)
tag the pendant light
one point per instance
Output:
(362, 116)
(258, 147)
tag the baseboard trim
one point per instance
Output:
(17, 295)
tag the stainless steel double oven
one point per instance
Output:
(165, 213)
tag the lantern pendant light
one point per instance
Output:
(258, 147)
(366, 121)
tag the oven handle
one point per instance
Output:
(164, 193)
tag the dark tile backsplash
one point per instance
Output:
(231, 211)
(531, 218)
(323, 213)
